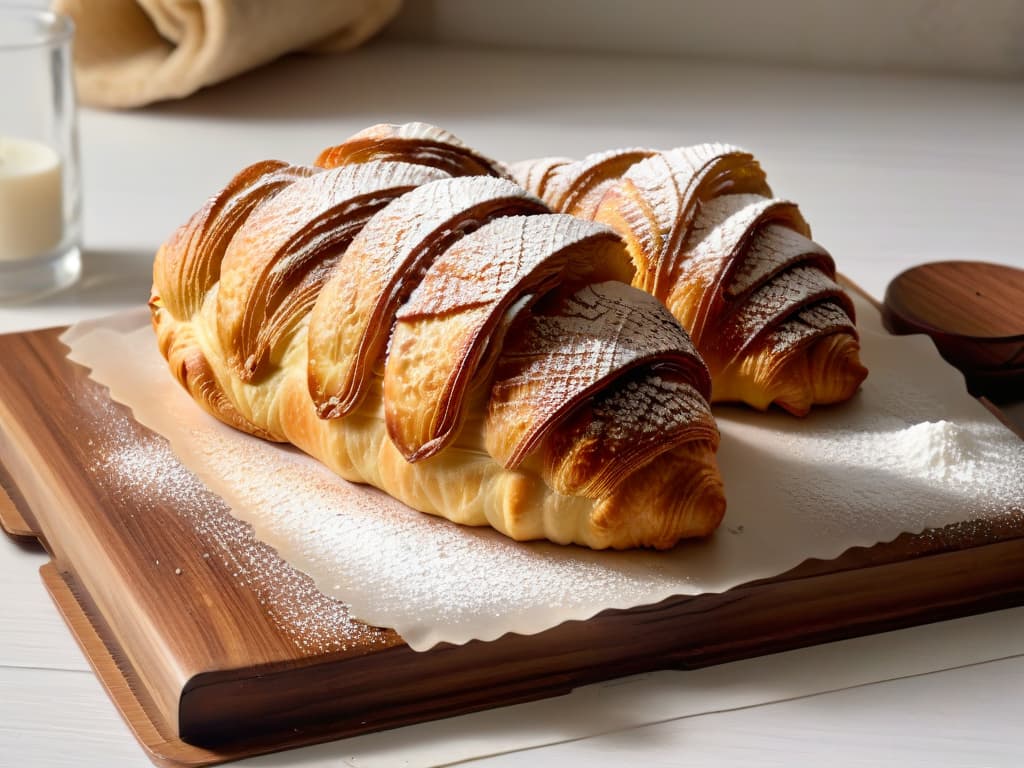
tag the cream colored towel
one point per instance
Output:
(133, 52)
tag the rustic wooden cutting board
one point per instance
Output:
(209, 663)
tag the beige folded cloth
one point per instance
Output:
(133, 52)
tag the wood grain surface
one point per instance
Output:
(974, 312)
(206, 666)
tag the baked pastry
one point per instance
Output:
(419, 143)
(446, 339)
(734, 265)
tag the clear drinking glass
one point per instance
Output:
(40, 207)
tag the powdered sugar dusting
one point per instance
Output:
(703, 216)
(773, 248)
(809, 323)
(899, 465)
(143, 475)
(910, 444)
(552, 346)
(498, 262)
(420, 143)
(559, 358)
(797, 488)
(391, 561)
(354, 313)
(672, 186)
(576, 187)
(775, 300)
(533, 175)
(648, 407)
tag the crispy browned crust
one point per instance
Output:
(418, 143)
(603, 436)
(193, 371)
(736, 267)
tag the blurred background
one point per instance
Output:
(886, 121)
(939, 36)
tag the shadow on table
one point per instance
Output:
(109, 276)
(408, 83)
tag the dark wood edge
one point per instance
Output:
(15, 516)
(167, 750)
(989, 589)
(117, 678)
(11, 520)
(1017, 429)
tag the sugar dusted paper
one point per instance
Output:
(911, 451)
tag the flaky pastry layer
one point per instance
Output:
(735, 266)
(443, 336)
(679, 495)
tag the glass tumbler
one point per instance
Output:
(40, 206)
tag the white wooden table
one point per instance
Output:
(889, 171)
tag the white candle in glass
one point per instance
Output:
(31, 209)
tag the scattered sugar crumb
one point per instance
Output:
(144, 474)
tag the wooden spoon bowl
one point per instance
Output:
(974, 312)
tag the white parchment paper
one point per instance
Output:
(912, 451)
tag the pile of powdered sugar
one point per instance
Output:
(912, 451)
(942, 450)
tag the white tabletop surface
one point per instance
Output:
(890, 171)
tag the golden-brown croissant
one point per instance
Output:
(736, 267)
(445, 338)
